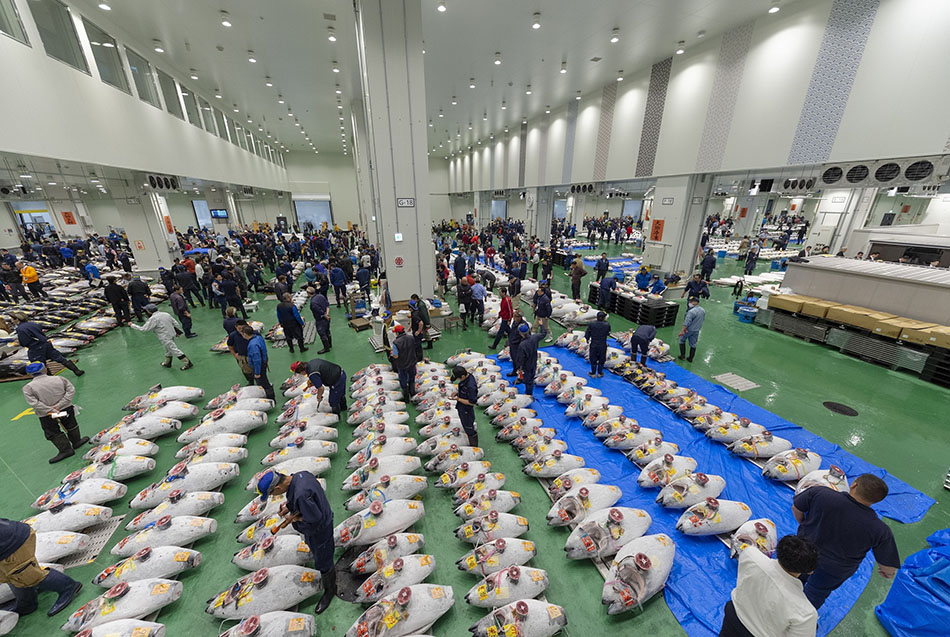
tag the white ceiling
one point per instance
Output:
(289, 39)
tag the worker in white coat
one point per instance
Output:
(166, 328)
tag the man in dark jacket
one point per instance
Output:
(528, 356)
(338, 281)
(458, 266)
(602, 266)
(20, 569)
(180, 308)
(515, 336)
(40, 350)
(289, 318)
(597, 334)
(320, 308)
(404, 353)
(640, 342)
(322, 373)
(232, 293)
(139, 293)
(280, 286)
(696, 288)
(363, 277)
(119, 298)
(707, 265)
(189, 285)
(542, 307)
(607, 285)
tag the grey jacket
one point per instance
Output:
(47, 394)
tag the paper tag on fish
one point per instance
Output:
(66, 539)
(388, 571)
(482, 591)
(107, 609)
(391, 618)
(512, 631)
(471, 562)
(437, 592)
(197, 522)
(491, 631)
(536, 575)
(412, 538)
(297, 623)
(93, 511)
(307, 576)
(368, 523)
(141, 631)
(181, 556)
(554, 612)
(107, 487)
(467, 530)
(445, 478)
(160, 589)
(303, 548)
(468, 509)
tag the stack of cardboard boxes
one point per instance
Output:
(880, 323)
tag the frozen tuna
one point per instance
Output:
(763, 445)
(126, 600)
(685, 491)
(833, 477)
(300, 448)
(457, 476)
(410, 611)
(177, 503)
(186, 477)
(380, 448)
(638, 572)
(759, 533)
(480, 484)
(391, 576)
(211, 442)
(662, 471)
(569, 479)
(397, 487)
(158, 393)
(455, 456)
(494, 556)
(790, 465)
(111, 466)
(125, 628)
(69, 517)
(378, 521)
(127, 447)
(168, 531)
(376, 468)
(733, 430)
(52, 546)
(220, 422)
(311, 464)
(266, 590)
(575, 505)
(278, 623)
(506, 586)
(605, 532)
(484, 501)
(146, 428)
(650, 451)
(94, 491)
(491, 526)
(148, 563)
(523, 617)
(712, 517)
(553, 465)
(386, 550)
(273, 550)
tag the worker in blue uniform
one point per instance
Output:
(596, 334)
(322, 373)
(696, 287)
(607, 285)
(656, 285)
(527, 361)
(602, 266)
(40, 350)
(515, 336)
(320, 308)
(308, 510)
(643, 278)
(465, 402)
(692, 324)
(640, 342)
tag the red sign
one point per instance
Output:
(399, 262)
(168, 225)
(903, 209)
(656, 230)
(794, 205)
(139, 245)
(743, 212)
(69, 217)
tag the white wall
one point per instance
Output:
(326, 174)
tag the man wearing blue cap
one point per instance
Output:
(320, 307)
(31, 336)
(597, 334)
(527, 360)
(308, 510)
(51, 397)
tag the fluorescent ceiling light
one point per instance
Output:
(226, 19)
(536, 21)
(441, 6)
(250, 57)
(104, 6)
(615, 36)
(157, 45)
(331, 34)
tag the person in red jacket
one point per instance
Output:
(505, 313)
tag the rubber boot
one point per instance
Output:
(329, 591)
(61, 442)
(167, 362)
(692, 352)
(473, 439)
(76, 439)
(682, 351)
(290, 345)
(188, 364)
(643, 359)
(66, 586)
(71, 366)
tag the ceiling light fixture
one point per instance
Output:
(774, 8)
(339, 106)
(250, 57)
(527, 90)
(615, 36)
(441, 114)
(280, 99)
(338, 91)
(217, 94)
(497, 58)
(104, 6)
(194, 74)
(441, 6)
(700, 34)
(336, 67)
(454, 101)
(680, 50)
(471, 82)
(157, 45)
(108, 45)
(236, 109)
(620, 76)
(485, 117)
(331, 34)
(225, 19)
(578, 96)
(547, 109)
(563, 67)
(536, 21)
(504, 106)
(430, 123)
(289, 114)
(267, 81)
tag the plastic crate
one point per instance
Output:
(747, 314)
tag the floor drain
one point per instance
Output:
(838, 408)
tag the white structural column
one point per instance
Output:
(672, 232)
(389, 35)
(364, 180)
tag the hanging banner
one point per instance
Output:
(168, 225)
(68, 218)
(656, 230)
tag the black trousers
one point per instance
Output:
(36, 289)
(236, 302)
(731, 626)
(122, 314)
(293, 332)
(575, 289)
(503, 330)
(185, 323)
(189, 292)
(263, 381)
(323, 330)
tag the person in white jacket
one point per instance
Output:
(166, 327)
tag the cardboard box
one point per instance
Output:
(787, 302)
(872, 319)
(818, 309)
(892, 328)
(921, 336)
(846, 314)
(943, 336)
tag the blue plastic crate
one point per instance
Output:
(747, 314)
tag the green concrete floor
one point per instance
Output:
(898, 428)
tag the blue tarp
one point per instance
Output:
(918, 604)
(703, 575)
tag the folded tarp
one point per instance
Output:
(918, 604)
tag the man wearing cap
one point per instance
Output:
(465, 402)
(320, 308)
(404, 353)
(640, 342)
(20, 569)
(166, 328)
(597, 333)
(51, 397)
(607, 285)
(31, 336)
(139, 292)
(692, 324)
(308, 510)
(602, 266)
(257, 358)
(322, 373)
(527, 360)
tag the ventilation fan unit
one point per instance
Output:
(161, 183)
(247, 191)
